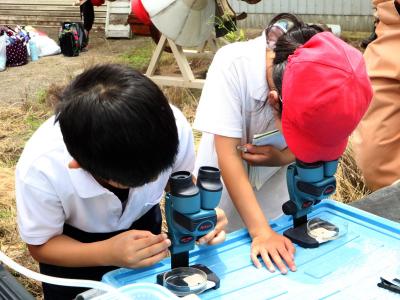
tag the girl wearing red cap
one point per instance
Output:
(229, 115)
(231, 110)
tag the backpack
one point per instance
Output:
(72, 38)
(83, 37)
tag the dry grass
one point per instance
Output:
(11, 244)
(185, 99)
(350, 184)
(18, 123)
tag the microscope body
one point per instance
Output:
(190, 210)
(185, 226)
(308, 184)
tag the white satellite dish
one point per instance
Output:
(187, 22)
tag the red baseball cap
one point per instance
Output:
(325, 93)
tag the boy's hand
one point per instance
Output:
(267, 156)
(137, 248)
(270, 245)
(218, 234)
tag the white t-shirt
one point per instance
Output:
(50, 194)
(232, 104)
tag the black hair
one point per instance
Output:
(286, 45)
(118, 125)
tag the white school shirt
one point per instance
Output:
(50, 194)
(232, 104)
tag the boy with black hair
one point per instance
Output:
(90, 179)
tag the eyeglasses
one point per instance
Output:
(275, 31)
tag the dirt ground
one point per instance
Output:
(22, 83)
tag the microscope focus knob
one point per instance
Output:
(289, 208)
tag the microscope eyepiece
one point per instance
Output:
(209, 178)
(181, 175)
(207, 172)
(181, 183)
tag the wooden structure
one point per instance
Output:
(116, 19)
(45, 13)
(187, 79)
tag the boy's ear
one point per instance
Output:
(73, 164)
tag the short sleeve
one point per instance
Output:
(40, 214)
(220, 109)
(186, 154)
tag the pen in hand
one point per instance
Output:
(242, 148)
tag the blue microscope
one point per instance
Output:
(190, 214)
(308, 184)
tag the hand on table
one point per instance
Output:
(273, 247)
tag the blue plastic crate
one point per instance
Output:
(346, 268)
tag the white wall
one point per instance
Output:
(352, 15)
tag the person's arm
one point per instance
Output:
(266, 242)
(130, 249)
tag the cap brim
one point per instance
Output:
(184, 25)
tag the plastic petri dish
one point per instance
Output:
(185, 280)
(324, 230)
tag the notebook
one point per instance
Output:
(258, 175)
(273, 138)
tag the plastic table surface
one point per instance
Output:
(347, 268)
